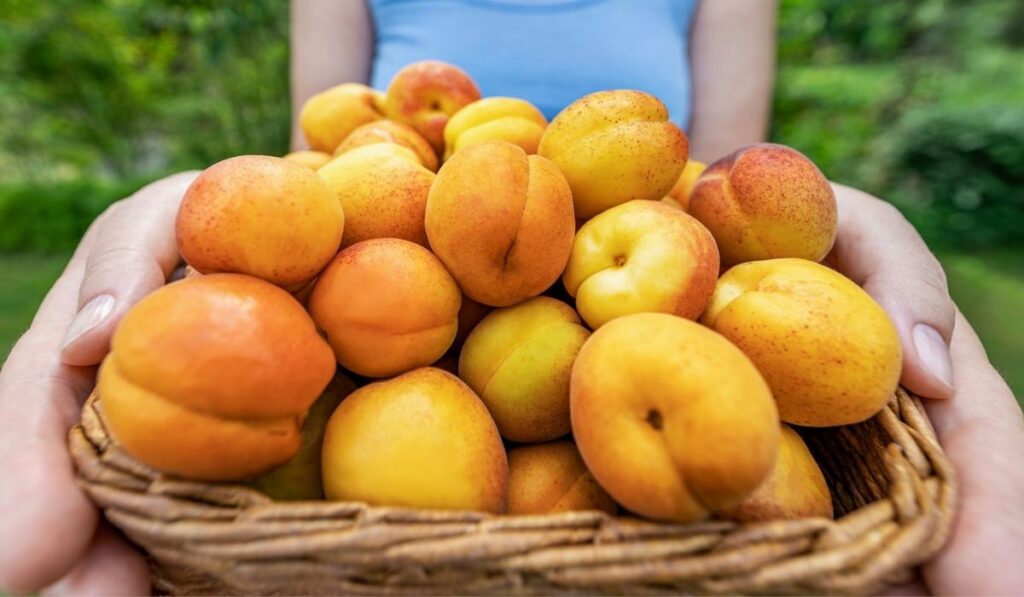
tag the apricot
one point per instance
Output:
(828, 351)
(641, 256)
(310, 159)
(766, 201)
(259, 215)
(329, 116)
(674, 421)
(387, 306)
(420, 440)
(495, 119)
(614, 146)
(425, 94)
(518, 360)
(680, 194)
(383, 191)
(501, 221)
(209, 377)
(794, 489)
(551, 477)
(299, 478)
(389, 131)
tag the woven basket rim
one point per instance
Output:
(218, 538)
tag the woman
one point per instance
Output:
(712, 65)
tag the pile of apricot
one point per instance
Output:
(535, 317)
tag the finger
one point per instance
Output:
(877, 248)
(982, 432)
(48, 521)
(111, 566)
(135, 252)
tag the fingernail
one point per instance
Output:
(933, 353)
(91, 315)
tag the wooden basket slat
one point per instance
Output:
(597, 555)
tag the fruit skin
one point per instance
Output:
(383, 191)
(518, 360)
(551, 477)
(208, 377)
(310, 159)
(387, 306)
(259, 215)
(766, 201)
(794, 489)
(495, 119)
(329, 116)
(299, 478)
(425, 94)
(420, 440)
(828, 351)
(614, 146)
(641, 256)
(389, 131)
(681, 192)
(674, 422)
(501, 221)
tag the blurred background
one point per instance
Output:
(920, 102)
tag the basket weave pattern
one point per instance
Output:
(893, 489)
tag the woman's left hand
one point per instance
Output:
(980, 426)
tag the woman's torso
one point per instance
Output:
(549, 52)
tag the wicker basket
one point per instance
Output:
(894, 492)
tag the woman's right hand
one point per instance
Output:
(53, 536)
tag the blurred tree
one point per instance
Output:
(124, 87)
(958, 174)
(923, 104)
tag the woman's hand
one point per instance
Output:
(982, 432)
(50, 528)
(981, 428)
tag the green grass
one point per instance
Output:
(989, 288)
(24, 280)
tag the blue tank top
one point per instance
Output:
(549, 52)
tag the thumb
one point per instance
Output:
(133, 254)
(877, 248)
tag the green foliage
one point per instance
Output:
(52, 217)
(958, 174)
(844, 31)
(116, 88)
(921, 103)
